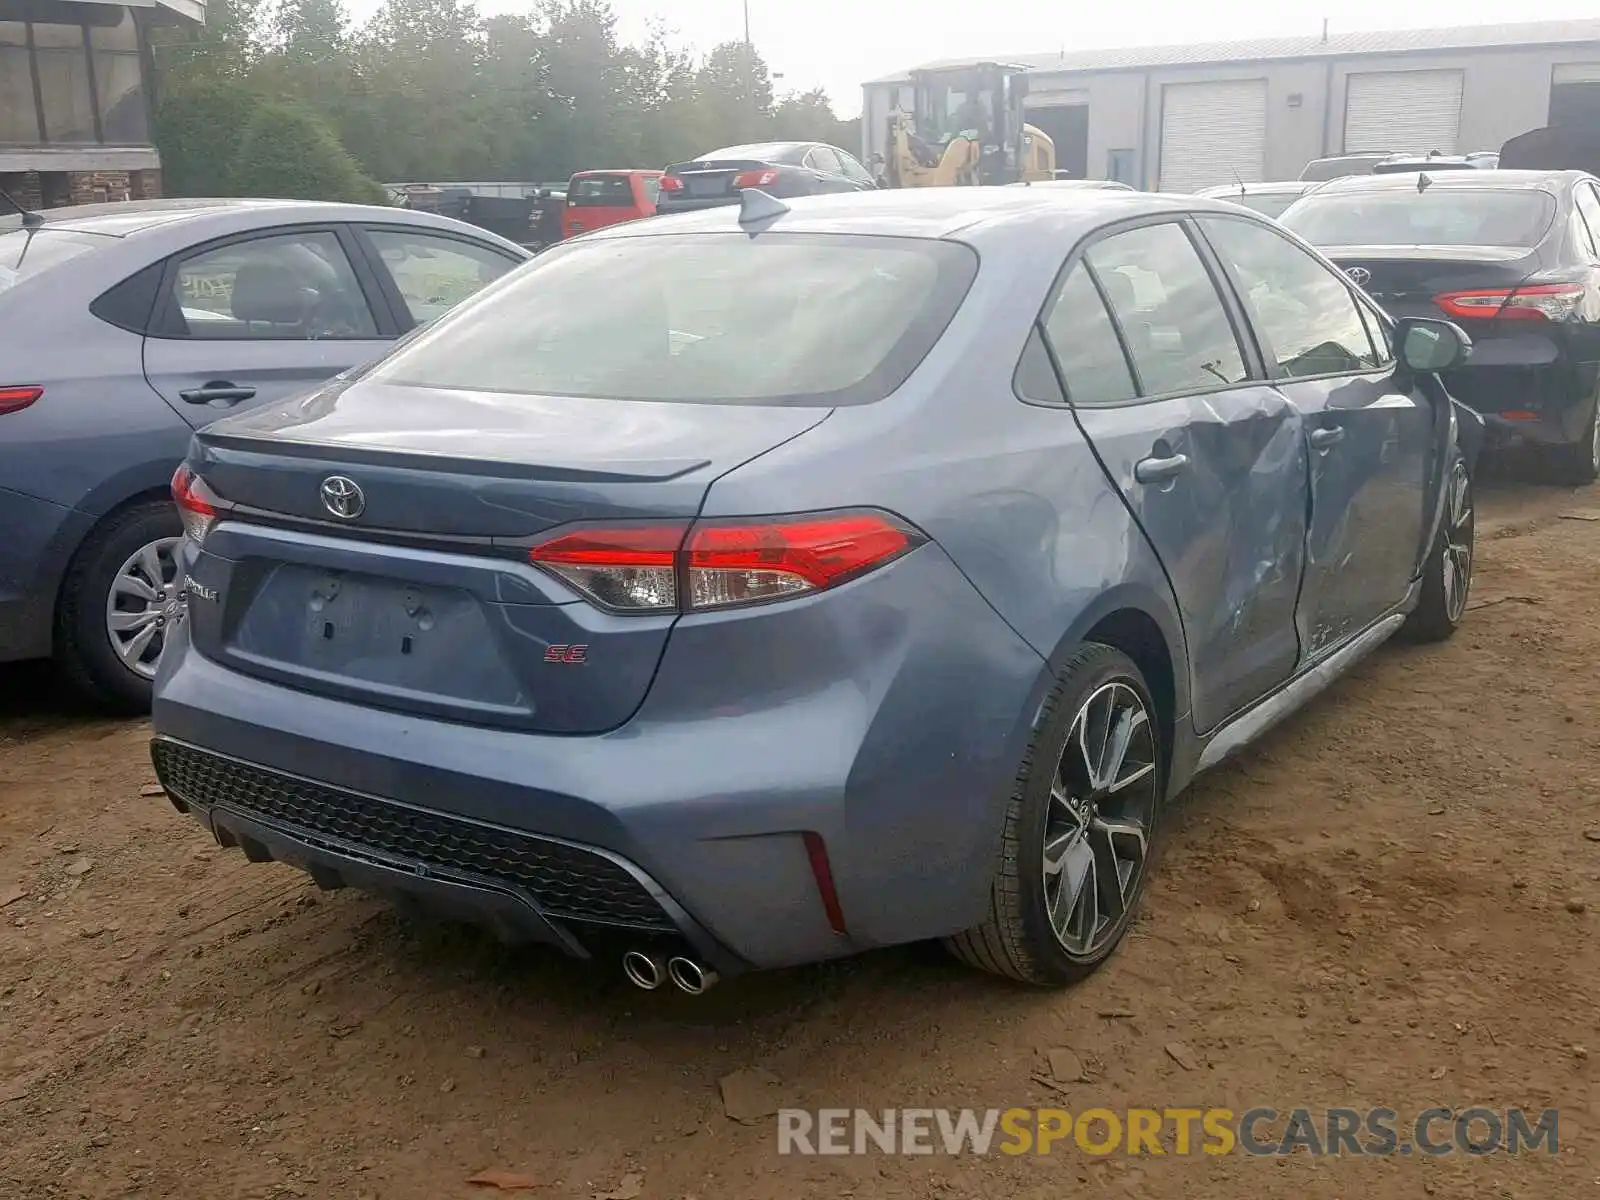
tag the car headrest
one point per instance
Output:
(269, 291)
(1119, 290)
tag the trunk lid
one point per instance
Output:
(1405, 279)
(713, 177)
(424, 601)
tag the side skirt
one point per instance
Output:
(1250, 724)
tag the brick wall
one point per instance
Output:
(97, 187)
(56, 189)
(23, 187)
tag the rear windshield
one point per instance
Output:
(712, 318)
(600, 191)
(1321, 170)
(25, 253)
(1270, 204)
(1436, 217)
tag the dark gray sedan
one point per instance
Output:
(158, 317)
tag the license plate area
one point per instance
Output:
(707, 185)
(388, 634)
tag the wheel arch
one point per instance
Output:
(1144, 625)
(66, 555)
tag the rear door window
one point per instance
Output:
(822, 158)
(1588, 202)
(1085, 344)
(713, 318)
(601, 191)
(281, 287)
(1178, 331)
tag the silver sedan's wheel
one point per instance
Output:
(1080, 829)
(145, 600)
(1457, 561)
(1097, 827)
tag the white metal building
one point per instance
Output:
(1180, 118)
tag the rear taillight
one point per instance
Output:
(718, 564)
(756, 179)
(15, 399)
(1536, 302)
(197, 504)
(671, 183)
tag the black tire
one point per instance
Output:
(83, 645)
(1577, 464)
(1018, 938)
(1447, 575)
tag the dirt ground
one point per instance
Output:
(1392, 902)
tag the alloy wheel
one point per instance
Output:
(145, 600)
(1457, 564)
(1098, 825)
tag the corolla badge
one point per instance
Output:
(1359, 276)
(343, 497)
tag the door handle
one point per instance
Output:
(1327, 439)
(219, 391)
(1160, 470)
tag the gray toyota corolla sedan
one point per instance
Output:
(125, 327)
(758, 586)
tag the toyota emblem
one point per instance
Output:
(343, 497)
(1359, 276)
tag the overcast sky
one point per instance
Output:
(837, 44)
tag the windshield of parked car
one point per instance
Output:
(713, 318)
(1434, 217)
(25, 253)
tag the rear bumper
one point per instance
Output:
(688, 822)
(1546, 404)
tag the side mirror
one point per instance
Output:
(1427, 345)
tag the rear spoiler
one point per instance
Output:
(1553, 148)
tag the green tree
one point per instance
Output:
(736, 93)
(287, 150)
(431, 90)
(198, 125)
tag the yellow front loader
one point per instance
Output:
(966, 128)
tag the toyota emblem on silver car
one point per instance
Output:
(343, 497)
(1359, 276)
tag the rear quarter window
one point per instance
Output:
(713, 318)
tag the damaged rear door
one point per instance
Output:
(1370, 440)
(1209, 459)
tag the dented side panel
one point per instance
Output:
(1229, 528)
(1370, 499)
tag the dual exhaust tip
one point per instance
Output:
(647, 971)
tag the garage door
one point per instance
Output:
(1406, 111)
(1213, 133)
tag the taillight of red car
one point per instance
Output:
(765, 177)
(1533, 302)
(714, 564)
